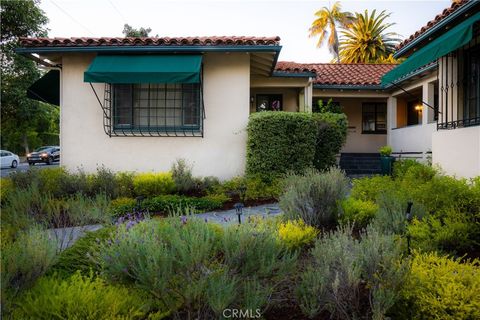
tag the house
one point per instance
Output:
(141, 103)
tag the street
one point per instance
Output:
(24, 167)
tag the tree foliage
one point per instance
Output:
(330, 18)
(130, 31)
(25, 123)
(367, 39)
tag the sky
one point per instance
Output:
(288, 19)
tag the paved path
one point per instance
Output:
(230, 216)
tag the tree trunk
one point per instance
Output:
(25, 144)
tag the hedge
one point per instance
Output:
(282, 142)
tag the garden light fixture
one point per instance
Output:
(239, 210)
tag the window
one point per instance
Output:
(269, 102)
(374, 118)
(471, 112)
(156, 108)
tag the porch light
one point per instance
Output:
(239, 210)
(418, 107)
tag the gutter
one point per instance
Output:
(348, 87)
(467, 6)
(285, 74)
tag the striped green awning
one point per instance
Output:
(455, 38)
(144, 69)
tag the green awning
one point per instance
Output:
(144, 69)
(457, 37)
(47, 88)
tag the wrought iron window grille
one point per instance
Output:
(152, 110)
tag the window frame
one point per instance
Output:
(271, 98)
(133, 126)
(469, 120)
(376, 112)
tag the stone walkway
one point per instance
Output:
(230, 216)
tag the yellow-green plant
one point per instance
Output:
(6, 187)
(356, 211)
(296, 234)
(439, 287)
(153, 184)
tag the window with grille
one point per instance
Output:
(171, 109)
(374, 118)
(472, 87)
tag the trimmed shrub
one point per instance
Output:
(81, 297)
(313, 197)
(331, 136)
(295, 234)
(357, 212)
(153, 184)
(442, 288)
(280, 142)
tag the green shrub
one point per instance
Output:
(357, 212)
(25, 260)
(49, 181)
(313, 197)
(124, 181)
(385, 151)
(104, 181)
(121, 206)
(250, 188)
(81, 255)
(280, 142)
(442, 288)
(81, 297)
(295, 234)
(172, 203)
(347, 273)
(153, 184)
(183, 177)
(368, 189)
(455, 233)
(6, 189)
(401, 166)
(24, 179)
(331, 136)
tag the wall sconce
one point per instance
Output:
(252, 99)
(418, 107)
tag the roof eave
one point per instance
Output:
(150, 49)
(409, 46)
(347, 87)
(286, 74)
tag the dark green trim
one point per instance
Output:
(413, 74)
(156, 49)
(286, 74)
(438, 27)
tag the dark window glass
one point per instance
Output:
(269, 102)
(414, 112)
(472, 86)
(374, 118)
(157, 106)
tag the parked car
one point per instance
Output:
(47, 155)
(9, 159)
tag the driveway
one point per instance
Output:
(24, 167)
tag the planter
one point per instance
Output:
(386, 163)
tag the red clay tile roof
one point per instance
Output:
(355, 74)
(439, 17)
(175, 41)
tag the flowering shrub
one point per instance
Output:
(153, 184)
(439, 287)
(296, 234)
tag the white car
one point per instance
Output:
(9, 159)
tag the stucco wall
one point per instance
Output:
(457, 151)
(220, 153)
(356, 141)
(416, 138)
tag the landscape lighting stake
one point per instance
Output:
(239, 209)
(409, 217)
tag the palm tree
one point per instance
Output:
(366, 41)
(330, 18)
